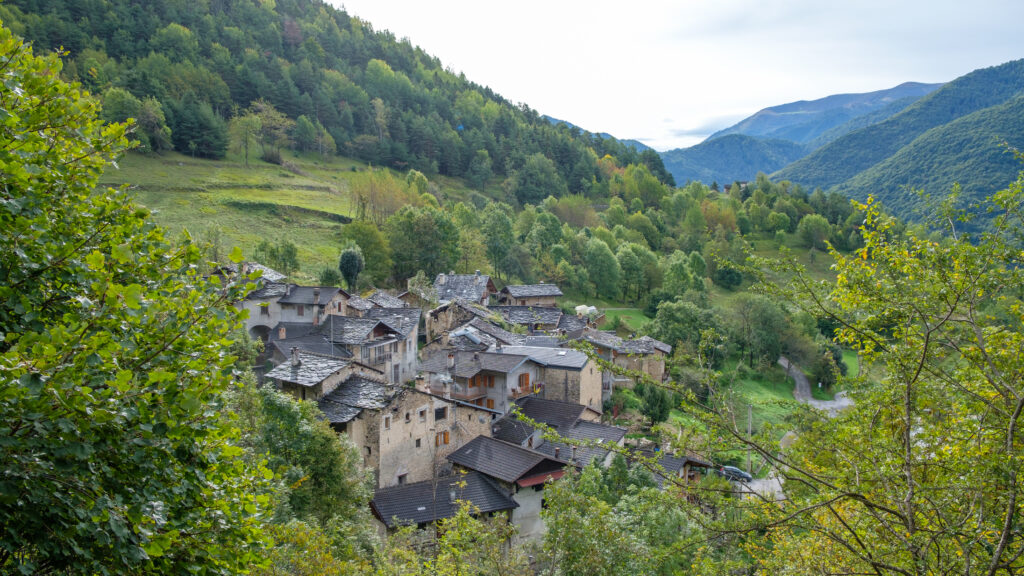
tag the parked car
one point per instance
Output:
(734, 474)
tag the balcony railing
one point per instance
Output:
(379, 359)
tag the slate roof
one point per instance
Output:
(498, 459)
(541, 341)
(529, 314)
(642, 345)
(349, 330)
(269, 291)
(402, 319)
(314, 343)
(673, 464)
(479, 334)
(312, 369)
(428, 501)
(268, 273)
(554, 357)
(466, 286)
(355, 394)
(532, 290)
(357, 303)
(571, 324)
(469, 364)
(563, 417)
(308, 295)
(385, 300)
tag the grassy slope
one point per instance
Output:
(250, 204)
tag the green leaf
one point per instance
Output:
(236, 255)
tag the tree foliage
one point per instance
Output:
(113, 358)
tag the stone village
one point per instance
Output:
(481, 398)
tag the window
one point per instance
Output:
(441, 438)
(387, 422)
(490, 403)
(368, 451)
(300, 310)
(401, 478)
(264, 310)
(418, 442)
(408, 417)
(524, 382)
(440, 413)
(422, 414)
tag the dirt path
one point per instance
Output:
(802, 390)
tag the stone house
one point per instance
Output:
(544, 295)
(450, 315)
(644, 354)
(310, 376)
(402, 433)
(566, 375)
(471, 287)
(488, 379)
(520, 471)
(273, 303)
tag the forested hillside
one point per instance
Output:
(730, 157)
(301, 74)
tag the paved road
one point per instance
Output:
(802, 390)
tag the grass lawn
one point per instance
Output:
(631, 319)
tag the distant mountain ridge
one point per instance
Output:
(779, 135)
(805, 120)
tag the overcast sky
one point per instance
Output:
(668, 73)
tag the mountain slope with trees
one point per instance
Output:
(804, 121)
(858, 151)
(730, 158)
(303, 75)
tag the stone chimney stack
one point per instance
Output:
(296, 362)
(451, 495)
(451, 361)
(557, 450)
(497, 346)
(316, 296)
(281, 332)
(441, 279)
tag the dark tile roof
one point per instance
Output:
(502, 460)
(529, 314)
(592, 436)
(479, 334)
(402, 320)
(293, 330)
(671, 464)
(429, 501)
(385, 300)
(312, 369)
(472, 307)
(355, 394)
(309, 295)
(468, 364)
(658, 344)
(268, 273)
(532, 290)
(559, 415)
(467, 286)
(511, 429)
(554, 357)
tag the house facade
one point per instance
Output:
(491, 380)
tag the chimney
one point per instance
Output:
(451, 361)
(497, 346)
(295, 357)
(316, 295)
(281, 333)
(573, 457)
(557, 450)
(451, 495)
(441, 278)
(477, 272)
